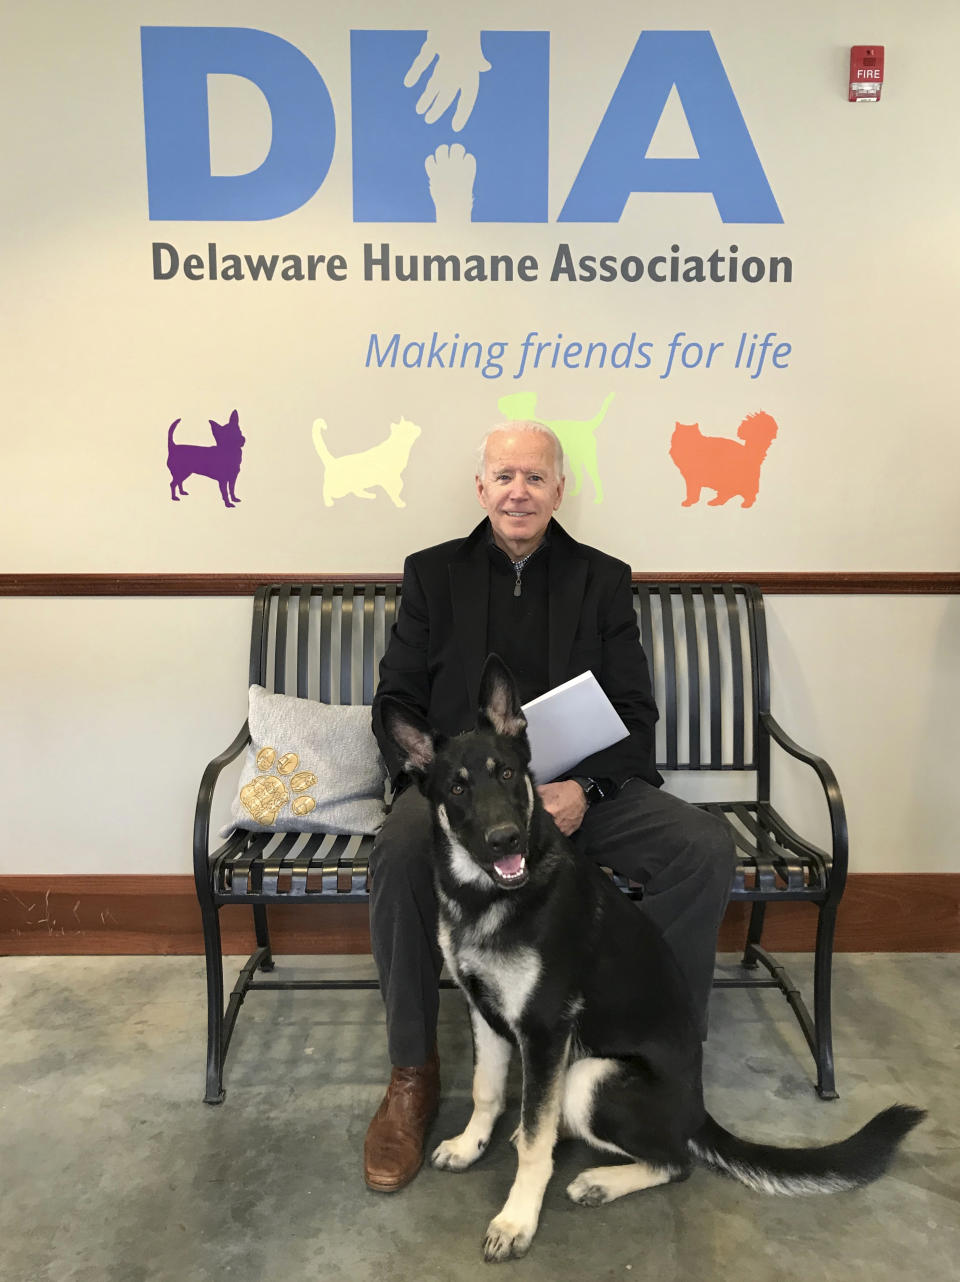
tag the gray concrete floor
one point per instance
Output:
(113, 1170)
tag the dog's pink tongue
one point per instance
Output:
(510, 866)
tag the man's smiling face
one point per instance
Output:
(520, 488)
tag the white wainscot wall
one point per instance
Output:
(112, 707)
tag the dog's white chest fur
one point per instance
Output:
(508, 976)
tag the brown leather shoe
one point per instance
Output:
(393, 1148)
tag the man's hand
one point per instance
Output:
(566, 802)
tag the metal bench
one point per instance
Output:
(707, 647)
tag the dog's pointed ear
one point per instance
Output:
(500, 708)
(410, 732)
(234, 419)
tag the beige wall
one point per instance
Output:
(100, 358)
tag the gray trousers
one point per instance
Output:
(683, 858)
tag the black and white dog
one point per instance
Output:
(555, 960)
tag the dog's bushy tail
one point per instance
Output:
(170, 431)
(848, 1164)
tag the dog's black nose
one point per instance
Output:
(504, 839)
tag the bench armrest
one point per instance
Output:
(201, 822)
(831, 788)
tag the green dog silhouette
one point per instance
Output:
(576, 436)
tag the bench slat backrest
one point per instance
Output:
(706, 647)
(705, 644)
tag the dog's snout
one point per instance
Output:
(503, 839)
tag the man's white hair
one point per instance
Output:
(524, 425)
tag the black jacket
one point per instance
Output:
(437, 646)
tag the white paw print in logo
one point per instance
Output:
(267, 793)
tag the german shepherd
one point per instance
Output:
(555, 960)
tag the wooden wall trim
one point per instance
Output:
(143, 915)
(181, 585)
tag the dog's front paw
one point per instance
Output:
(458, 1153)
(507, 1239)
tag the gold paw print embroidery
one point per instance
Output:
(266, 795)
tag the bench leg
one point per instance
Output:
(822, 996)
(754, 933)
(214, 959)
(263, 934)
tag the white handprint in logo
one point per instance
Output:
(456, 73)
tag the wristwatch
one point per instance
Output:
(593, 789)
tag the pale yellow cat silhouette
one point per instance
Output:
(381, 465)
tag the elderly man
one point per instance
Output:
(521, 587)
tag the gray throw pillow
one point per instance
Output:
(310, 767)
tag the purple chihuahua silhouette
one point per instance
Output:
(221, 462)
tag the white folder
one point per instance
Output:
(569, 723)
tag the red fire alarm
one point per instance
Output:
(866, 73)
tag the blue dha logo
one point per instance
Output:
(507, 132)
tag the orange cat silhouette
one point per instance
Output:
(721, 464)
